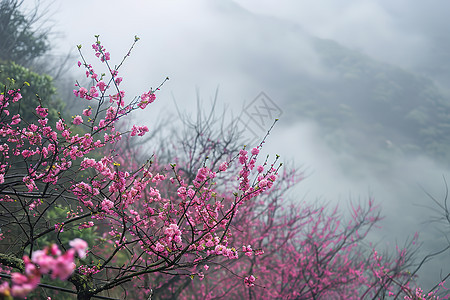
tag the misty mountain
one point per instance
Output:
(372, 110)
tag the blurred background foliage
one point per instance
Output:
(24, 49)
(41, 89)
(20, 40)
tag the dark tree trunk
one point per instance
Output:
(83, 285)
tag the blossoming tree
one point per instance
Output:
(206, 223)
(60, 180)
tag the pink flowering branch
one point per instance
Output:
(51, 261)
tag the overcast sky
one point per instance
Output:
(245, 47)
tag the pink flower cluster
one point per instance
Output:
(264, 180)
(77, 120)
(173, 233)
(146, 99)
(139, 130)
(228, 252)
(249, 280)
(202, 176)
(247, 250)
(51, 261)
(420, 295)
(100, 52)
(41, 111)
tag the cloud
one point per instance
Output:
(371, 26)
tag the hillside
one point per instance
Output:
(372, 110)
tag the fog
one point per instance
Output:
(288, 50)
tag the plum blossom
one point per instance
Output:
(77, 120)
(87, 112)
(64, 265)
(81, 93)
(41, 111)
(107, 205)
(80, 247)
(102, 86)
(223, 166)
(249, 280)
(15, 120)
(146, 99)
(139, 130)
(255, 151)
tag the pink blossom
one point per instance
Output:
(182, 192)
(64, 265)
(77, 120)
(93, 92)
(18, 278)
(60, 125)
(66, 134)
(34, 127)
(263, 183)
(107, 205)
(248, 250)
(190, 193)
(249, 280)
(119, 98)
(139, 130)
(4, 289)
(146, 99)
(223, 166)
(17, 97)
(23, 284)
(15, 120)
(81, 93)
(260, 169)
(242, 157)
(44, 261)
(41, 111)
(142, 130)
(159, 247)
(219, 249)
(87, 112)
(80, 247)
(26, 153)
(202, 174)
(111, 113)
(201, 276)
(259, 252)
(29, 182)
(21, 291)
(101, 85)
